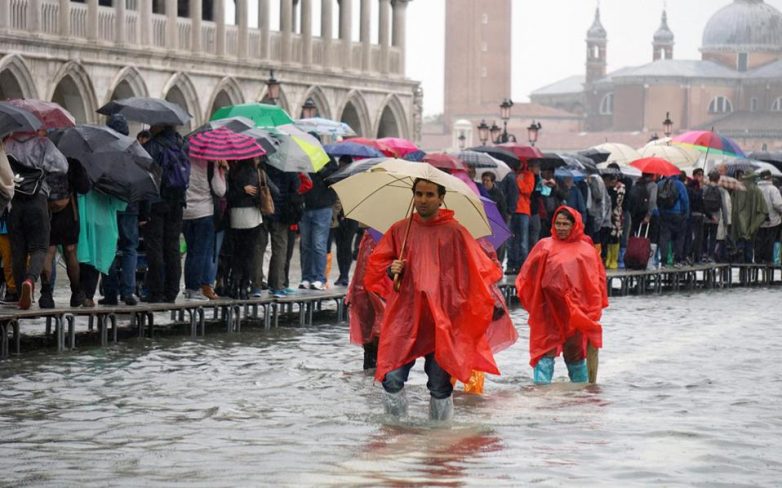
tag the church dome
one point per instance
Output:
(744, 26)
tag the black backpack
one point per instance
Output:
(27, 181)
(712, 199)
(668, 194)
(639, 199)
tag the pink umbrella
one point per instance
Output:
(222, 143)
(402, 147)
(380, 146)
(51, 114)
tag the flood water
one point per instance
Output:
(689, 394)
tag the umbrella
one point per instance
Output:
(655, 166)
(119, 167)
(595, 155)
(500, 172)
(298, 151)
(348, 148)
(524, 153)
(445, 162)
(731, 183)
(734, 165)
(264, 115)
(51, 114)
(563, 172)
(476, 159)
(660, 141)
(499, 153)
(764, 166)
(236, 124)
(221, 143)
(14, 119)
(677, 154)
(269, 139)
(499, 229)
(380, 146)
(709, 142)
(415, 156)
(325, 127)
(624, 169)
(147, 110)
(382, 196)
(618, 153)
(402, 147)
(774, 158)
(577, 162)
(354, 168)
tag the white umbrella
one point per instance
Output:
(618, 153)
(681, 156)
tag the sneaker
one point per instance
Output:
(278, 293)
(304, 284)
(103, 301)
(195, 295)
(257, 292)
(208, 292)
(290, 291)
(11, 297)
(46, 300)
(317, 285)
(26, 297)
(130, 300)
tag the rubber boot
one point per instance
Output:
(612, 258)
(395, 404)
(543, 371)
(441, 410)
(621, 262)
(652, 263)
(577, 371)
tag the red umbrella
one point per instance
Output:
(222, 143)
(51, 114)
(656, 166)
(524, 153)
(382, 147)
(402, 147)
(445, 161)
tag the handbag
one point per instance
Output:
(266, 201)
(638, 250)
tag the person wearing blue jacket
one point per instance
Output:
(673, 213)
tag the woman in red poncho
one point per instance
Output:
(563, 287)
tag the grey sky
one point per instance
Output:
(548, 41)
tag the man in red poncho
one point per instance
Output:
(443, 307)
(563, 287)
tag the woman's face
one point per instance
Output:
(563, 226)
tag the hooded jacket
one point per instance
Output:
(749, 210)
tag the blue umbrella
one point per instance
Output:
(347, 148)
(415, 156)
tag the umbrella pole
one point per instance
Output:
(397, 277)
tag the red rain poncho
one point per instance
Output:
(563, 287)
(366, 307)
(444, 304)
(501, 333)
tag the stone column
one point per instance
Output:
(263, 26)
(172, 30)
(400, 30)
(65, 17)
(5, 14)
(364, 35)
(145, 22)
(33, 16)
(244, 33)
(306, 32)
(346, 32)
(286, 28)
(119, 22)
(196, 14)
(219, 16)
(92, 20)
(326, 31)
(384, 37)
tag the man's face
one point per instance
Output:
(488, 183)
(698, 177)
(426, 199)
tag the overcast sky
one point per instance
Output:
(548, 40)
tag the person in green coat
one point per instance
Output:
(749, 212)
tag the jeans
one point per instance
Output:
(199, 236)
(161, 241)
(519, 244)
(672, 229)
(122, 274)
(439, 383)
(314, 228)
(211, 274)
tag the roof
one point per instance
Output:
(571, 84)
(771, 70)
(745, 124)
(597, 31)
(569, 142)
(663, 34)
(743, 26)
(678, 68)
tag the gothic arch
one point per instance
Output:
(127, 83)
(227, 90)
(73, 90)
(181, 83)
(282, 101)
(317, 95)
(353, 111)
(392, 114)
(13, 65)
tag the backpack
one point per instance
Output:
(712, 199)
(639, 199)
(176, 168)
(668, 194)
(27, 181)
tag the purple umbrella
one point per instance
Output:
(499, 229)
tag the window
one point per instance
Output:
(777, 105)
(753, 104)
(484, 46)
(720, 105)
(607, 104)
(485, 19)
(742, 61)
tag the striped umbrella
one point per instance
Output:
(222, 143)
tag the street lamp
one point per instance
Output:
(309, 109)
(505, 107)
(272, 89)
(495, 132)
(533, 131)
(667, 125)
(483, 132)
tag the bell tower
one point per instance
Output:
(597, 42)
(663, 40)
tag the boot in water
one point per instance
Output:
(395, 404)
(441, 409)
(577, 371)
(543, 371)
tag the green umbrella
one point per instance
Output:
(262, 114)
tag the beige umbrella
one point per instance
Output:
(383, 195)
(662, 141)
(681, 156)
(618, 153)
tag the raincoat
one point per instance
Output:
(749, 211)
(563, 287)
(98, 232)
(444, 304)
(366, 307)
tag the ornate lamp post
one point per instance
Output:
(272, 89)
(483, 132)
(667, 125)
(533, 131)
(462, 140)
(309, 109)
(495, 132)
(505, 107)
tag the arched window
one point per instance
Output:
(720, 105)
(777, 105)
(607, 104)
(753, 104)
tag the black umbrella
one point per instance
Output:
(773, 158)
(503, 155)
(152, 111)
(354, 168)
(14, 119)
(236, 124)
(595, 155)
(570, 161)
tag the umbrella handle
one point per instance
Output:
(397, 282)
(398, 277)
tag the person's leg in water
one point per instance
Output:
(440, 388)
(574, 353)
(394, 397)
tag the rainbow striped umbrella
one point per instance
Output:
(222, 143)
(710, 142)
